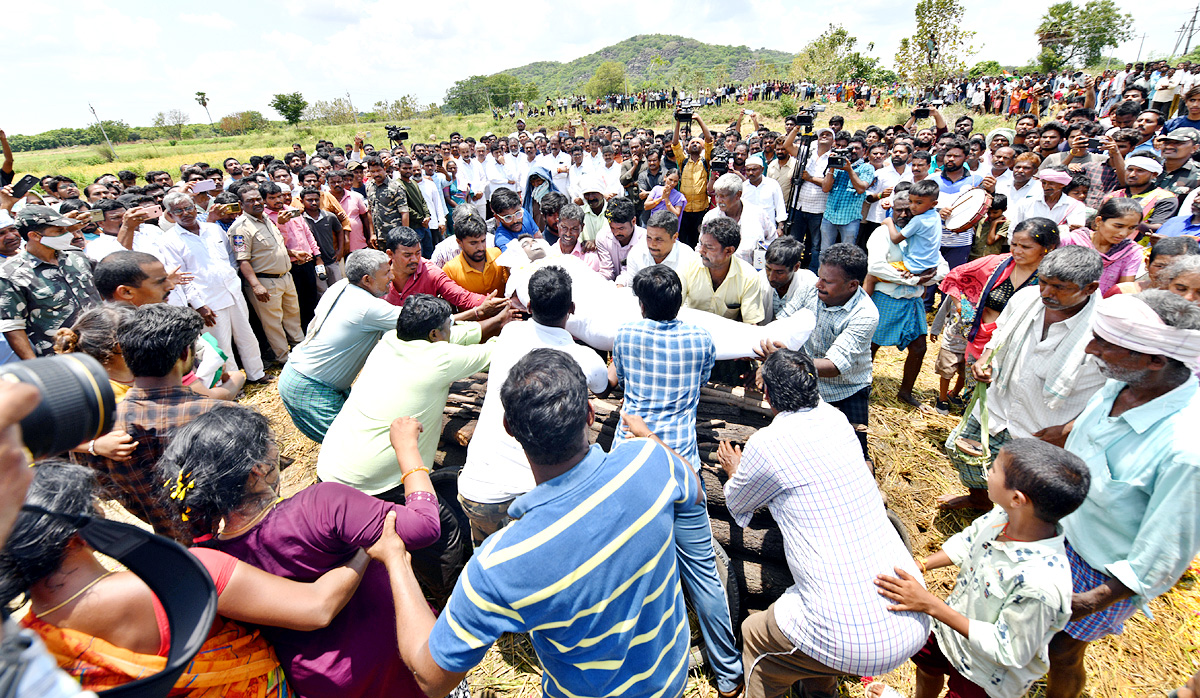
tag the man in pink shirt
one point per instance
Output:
(614, 244)
(413, 274)
(570, 227)
(302, 249)
(355, 206)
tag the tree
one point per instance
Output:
(608, 79)
(202, 100)
(939, 48)
(335, 111)
(1077, 36)
(171, 123)
(985, 68)
(831, 58)
(241, 122)
(290, 106)
(479, 93)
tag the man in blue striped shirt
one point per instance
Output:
(589, 568)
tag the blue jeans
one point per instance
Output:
(426, 241)
(698, 573)
(806, 228)
(832, 233)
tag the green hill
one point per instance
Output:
(683, 56)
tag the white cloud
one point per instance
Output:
(210, 21)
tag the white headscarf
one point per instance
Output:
(1126, 320)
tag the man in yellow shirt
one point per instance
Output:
(475, 267)
(719, 282)
(693, 178)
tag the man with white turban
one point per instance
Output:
(1139, 527)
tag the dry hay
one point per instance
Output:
(1149, 658)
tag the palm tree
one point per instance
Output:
(202, 99)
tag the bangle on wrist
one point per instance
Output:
(92, 447)
(921, 564)
(417, 469)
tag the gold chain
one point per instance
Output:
(76, 595)
(252, 522)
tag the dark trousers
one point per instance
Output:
(806, 228)
(426, 245)
(865, 229)
(307, 293)
(689, 227)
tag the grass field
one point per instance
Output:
(84, 164)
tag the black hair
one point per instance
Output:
(70, 205)
(152, 175)
(960, 144)
(422, 314)
(1128, 107)
(121, 268)
(550, 295)
(791, 381)
(504, 200)
(305, 191)
(922, 155)
(1079, 180)
(1156, 113)
(1119, 208)
(924, 188)
(37, 545)
(401, 236)
(243, 189)
(785, 252)
(467, 223)
(848, 257)
(1054, 480)
(1043, 231)
(999, 201)
(94, 332)
(156, 336)
(107, 205)
(621, 210)
(210, 460)
(1183, 245)
(124, 175)
(1089, 114)
(546, 405)
(553, 202)
(660, 292)
(306, 171)
(373, 160)
(270, 189)
(1055, 126)
(664, 219)
(725, 230)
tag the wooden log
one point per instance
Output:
(760, 578)
(767, 542)
(463, 435)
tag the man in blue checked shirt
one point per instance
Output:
(663, 363)
(847, 188)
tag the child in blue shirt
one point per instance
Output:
(920, 239)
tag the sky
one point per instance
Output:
(125, 58)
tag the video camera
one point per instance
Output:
(397, 133)
(720, 162)
(686, 110)
(922, 110)
(805, 116)
(839, 158)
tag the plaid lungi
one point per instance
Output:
(1110, 621)
(311, 404)
(971, 475)
(901, 320)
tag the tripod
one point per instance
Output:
(796, 223)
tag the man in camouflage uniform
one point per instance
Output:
(386, 199)
(45, 286)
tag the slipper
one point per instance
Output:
(885, 692)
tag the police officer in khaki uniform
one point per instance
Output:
(263, 260)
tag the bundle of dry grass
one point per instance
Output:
(1150, 658)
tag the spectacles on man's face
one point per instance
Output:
(514, 216)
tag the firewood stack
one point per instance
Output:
(725, 414)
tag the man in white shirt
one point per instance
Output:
(886, 178)
(764, 192)
(557, 163)
(782, 276)
(426, 179)
(501, 172)
(1023, 184)
(1050, 202)
(577, 174)
(757, 229)
(609, 173)
(203, 250)
(661, 245)
(496, 470)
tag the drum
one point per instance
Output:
(967, 209)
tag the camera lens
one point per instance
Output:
(77, 401)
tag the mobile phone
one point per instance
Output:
(95, 216)
(23, 185)
(235, 209)
(203, 185)
(921, 113)
(1093, 144)
(154, 211)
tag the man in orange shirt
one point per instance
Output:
(475, 267)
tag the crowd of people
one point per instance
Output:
(1058, 261)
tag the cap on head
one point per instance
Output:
(1186, 133)
(36, 216)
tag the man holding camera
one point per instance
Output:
(45, 286)
(693, 175)
(846, 182)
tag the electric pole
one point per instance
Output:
(1139, 56)
(1191, 30)
(102, 131)
(353, 112)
